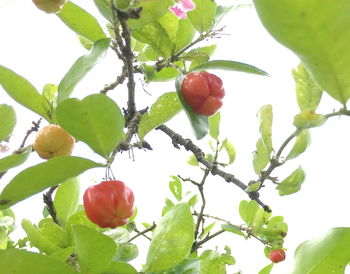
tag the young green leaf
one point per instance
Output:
(253, 187)
(302, 141)
(261, 157)
(7, 121)
(199, 123)
(55, 234)
(78, 218)
(104, 7)
(307, 90)
(66, 199)
(63, 254)
(120, 268)
(309, 119)
(265, 126)
(267, 269)
(58, 169)
(151, 11)
(185, 34)
(230, 150)
(329, 253)
(165, 74)
(14, 160)
(165, 108)
(172, 239)
(176, 187)
(213, 262)
(318, 34)
(214, 125)
(231, 66)
(96, 120)
(95, 250)
(81, 22)
(232, 229)
(37, 238)
(192, 160)
(206, 230)
(292, 183)
(23, 92)
(21, 261)
(202, 17)
(126, 252)
(80, 68)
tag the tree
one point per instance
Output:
(161, 42)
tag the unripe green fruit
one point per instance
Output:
(50, 6)
(122, 4)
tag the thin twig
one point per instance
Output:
(47, 197)
(143, 232)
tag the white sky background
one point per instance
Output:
(41, 48)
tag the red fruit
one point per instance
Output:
(277, 256)
(109, 203)
(203, 91)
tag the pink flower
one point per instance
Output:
(182, 7)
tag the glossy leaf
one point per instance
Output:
(80, 68)
(185, 34)
(302, 141)
(328, 253)
(81, 22)
(261, 157)
(151, 11)
(104, 7)
(231, 66)
(66, 199)
(78, 218)
(230, 150)
(21, 261)
(14, 160)
(23, 92)
(318, 34)
(265, 126)
(37, 238)
(165, 74)
(292, 183)
(156, 36)
(172, 239)
(308, 119)
(214, 125)
(199, 123)
(202, 16)
(95, 250)
(267, 269)
(126, 252)
(96, 120)
(58, 169)
(120, 268)
(176, 187)
(63, 254)
(199, 56)
(308, 91)
(7, 121)
(55, 234)
(161, 111)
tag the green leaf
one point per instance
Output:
(193, 200)
(104, 7)
(21, 261)
(231, 66)
(78, 218)
(96, 120)
(267, 269)
(185, 34)
(192, 160)
(165, 74)
(176, 187)
(14, 160)
(120, 268)
(213, 262)
(199, 123)
(7, 121)
(203, 15)
(23, 92)
(95, 250)
(232, 229)
(55, 234)
(168, 205)
(318, 34)
(80, 68)
(301, 143)
(34, 179)
(81, 22)
(63, 254)
(172, 239)
(307, 90)
(214, 125)
(261, 157)
(265, 125)
(37, 238)
(328, 253)
(66, 199)
(309, 119)
(292, 183)
(254, 216)
(126, 252)
(156, 36)
(165, 108)
(206, 230)
(255, 186)
(151, 11)
(230, 149)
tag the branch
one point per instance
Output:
(47, 197)
(120, 79)
(197, 245)
(143, 232)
